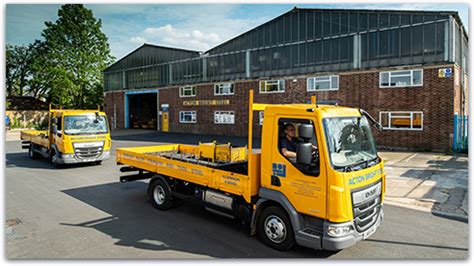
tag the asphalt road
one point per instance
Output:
(84, 212)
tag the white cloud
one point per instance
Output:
(138, 40)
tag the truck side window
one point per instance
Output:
(60, 120)
(289, 139)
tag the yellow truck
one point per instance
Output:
(329, 196)
(73, 136)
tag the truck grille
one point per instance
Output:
(365, 215)
(367, 210)
(88, 152)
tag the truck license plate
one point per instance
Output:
(368, 233)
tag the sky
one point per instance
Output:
(188, 26)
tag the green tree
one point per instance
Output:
(18, 60)
(75, 52)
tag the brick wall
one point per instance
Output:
(116, 97)
(435, 99)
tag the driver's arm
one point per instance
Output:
(287, 153)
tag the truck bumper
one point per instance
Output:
(74, 159)
(338, 243)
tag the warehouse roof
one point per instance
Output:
(451, 13)
(158, 47)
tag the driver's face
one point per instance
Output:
(290, 131)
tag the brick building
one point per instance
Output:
(407, 68)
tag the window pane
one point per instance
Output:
(394, 20)
(335, 82)
(322, 85)
(417, 77)
(417, 43)
(406, 42)
(310, 85)
(384, 79)
(362, 21)
(383, 20)
(384, 120)
(440, 37)
(373, 43)
(335, 23)
(429, 38)
(400, 122)
(353, 22)
(373, 20)
(400, 81)
(383, 47)
(417, 120)
(401, 73)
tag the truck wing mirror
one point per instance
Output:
(376, 124)
(303, 153)
(305, 131)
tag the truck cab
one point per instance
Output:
(333, 186)
(73, 136)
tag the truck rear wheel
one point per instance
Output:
(159, 195)
(275, 229)
(31, 152)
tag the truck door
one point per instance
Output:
(303, 184)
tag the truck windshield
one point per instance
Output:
(85, 124)
(350, 142)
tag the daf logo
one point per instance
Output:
(370, 193)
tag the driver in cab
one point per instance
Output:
(289, 143)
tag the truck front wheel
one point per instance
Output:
(275, 230)
(159, 195)
(31, 152)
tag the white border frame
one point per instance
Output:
(266, 81)
(223, 94)
(188, 122)
(402, 86)
(330, 83)
(187, 96)
(220, 123)
(398, 112)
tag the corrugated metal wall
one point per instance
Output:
(298, 42)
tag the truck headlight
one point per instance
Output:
(340, 230)
(67, 155)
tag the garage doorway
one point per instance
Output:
(142, 110)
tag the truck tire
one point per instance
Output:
(275, 229)
(159, 194)
(52, 153)
(31, 152)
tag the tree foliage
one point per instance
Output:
(66, 67)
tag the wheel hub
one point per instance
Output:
(159, 195)
(275, 229)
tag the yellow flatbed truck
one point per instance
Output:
(330, 196)
(73, 136)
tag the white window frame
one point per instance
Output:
(220, 85)
(216, 113)
(265, 82)
(193, 115)
(393, 114)
(183, 88)
(329, 78)
(394, 73)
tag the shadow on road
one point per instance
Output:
(415, 244)
(23, 161)
(186, 228)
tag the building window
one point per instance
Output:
(260, 118)
(224, 117)
(404, 78)
(187, 117)
(224, 89)
(187, 91)
(272, 86)
(326, 83)
(402, 120)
